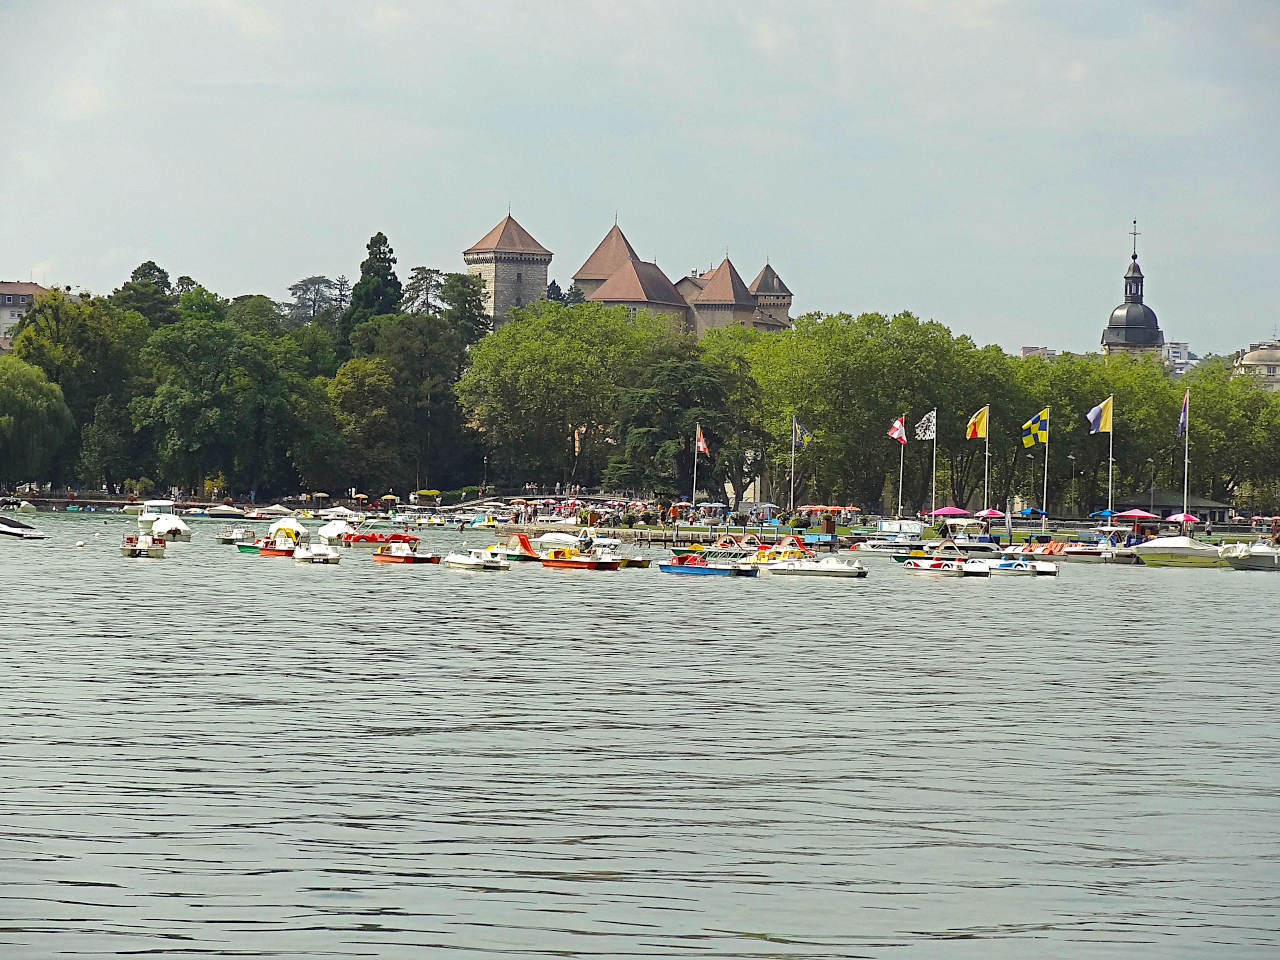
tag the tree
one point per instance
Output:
(34, 421)
(201, 304)
(150, 273)
(310, 296)
(105, 444)
(363, 395)
(422, 292)
(462, 305)
(183, 284)
(341, 292)
(378, 290)
(554, 292)
(574, 294)
(256, 313)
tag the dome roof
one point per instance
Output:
(1133, 315)
(1263, 355)
(1132, 325)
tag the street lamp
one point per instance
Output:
(1151, 508)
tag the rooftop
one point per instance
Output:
(638, 281)
(507, 237)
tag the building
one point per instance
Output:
(1046, 352)
(1178, 358)
(513, 266)
(1261, 360)
(16, 297)
(615, 275)
(1133, 327)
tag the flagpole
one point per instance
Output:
(902, 456)
(1186, 452)
(986, 461)
(1111, 450)
(792, 507)
(693, 500)
(933, 478)
(1044, 501)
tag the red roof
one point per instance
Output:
(637, 281)
(613, 252)
(507, 237)
(724, 285)
(22, 286)
(768, 282)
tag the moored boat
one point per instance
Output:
(1179, 552)
(477, 559)
(829, 566)
(1022, 566)
(278, 546)
(17, 530)
(142, 545)
(402, 553)
(375, 533)
(569, 558)
(638, 563)
(170, 526)
(697, 565)
(236, 535)
(518, 549)
(316, 553)
(1260, 555)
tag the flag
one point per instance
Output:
(1182, 417)
(1100, 417)
(702, 442)
(899, 430)
(927, 428)
(1036, 430)
(799, 435)
(977, 428)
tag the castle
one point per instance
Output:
(514, 268)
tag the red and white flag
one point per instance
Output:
(702, 442)
(899, 430)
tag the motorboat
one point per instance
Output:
(16, 529)
(224, 511)
(316, 553)
(969, 546)
(142, 545)
(828, 566)
(153, 510)
(569, 558)
(168, 525)
(1179, 552)
(279, 546)
(236, 535)
(402, 553)
(375, 533)
(1259, 555)
(888, 548)
(252, 546)
(698, 565)
(1021, 566)
(26, 506)
(477, 559)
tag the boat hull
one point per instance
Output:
(690, 570)
(580, 563)
(247, 547)
(414, 558)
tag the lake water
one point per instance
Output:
(224, 755)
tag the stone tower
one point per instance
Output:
(513, 266)
(773, 298)
(1133, 327)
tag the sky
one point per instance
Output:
(977, 162)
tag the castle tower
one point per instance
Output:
(1133, 327)
(513, 266)
(612, 253)
(723, 300)
(773, 299)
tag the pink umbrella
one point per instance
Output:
(1181, 518)
(1136, 515)
(949, 512)
(989, 513)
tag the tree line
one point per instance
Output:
(383, 385)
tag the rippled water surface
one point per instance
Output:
(224, 755)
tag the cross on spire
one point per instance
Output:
(1135, 234)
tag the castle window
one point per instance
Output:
(517, 277)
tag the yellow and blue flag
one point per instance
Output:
(799, 435)
(1036, 430)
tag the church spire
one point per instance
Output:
(1133, 276)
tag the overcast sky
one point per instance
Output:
(973, 161)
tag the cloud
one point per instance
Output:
(249, 19)
(81, 98)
